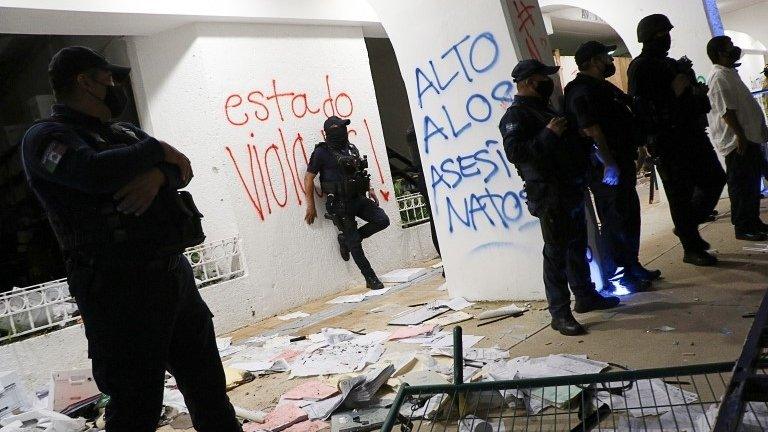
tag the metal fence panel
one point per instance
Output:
(413, 210)
(25, 311)
(667, 399)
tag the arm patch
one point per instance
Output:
(52, 155)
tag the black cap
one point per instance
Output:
(652, 24)
(590, 49)
(527, 68)
(335, 121)
(70, 61)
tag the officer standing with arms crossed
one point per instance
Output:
(554, 168)
(670, 109)
(110, 193)
(601, 113)
(344, 179)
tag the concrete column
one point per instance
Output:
(456, 62)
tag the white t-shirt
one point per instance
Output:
(728, 92)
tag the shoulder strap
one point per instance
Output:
(541, 116)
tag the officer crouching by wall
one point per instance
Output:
(110, 193)
(554, 168)
(345, 180)
(601, 112)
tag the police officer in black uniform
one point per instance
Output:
(343, 177)
(601, 112)
(670, 108)
(554, 167)
(110, 192)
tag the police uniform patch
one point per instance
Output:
(510, 127)
(52, 155)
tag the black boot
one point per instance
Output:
(699, 258)
(595, 302)
(567, 325)
(343, 248)
(751, 235)
(642, 273)
(373, 283)
(701, 243)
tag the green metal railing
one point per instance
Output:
(681, 398)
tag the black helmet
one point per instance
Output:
(652, 24)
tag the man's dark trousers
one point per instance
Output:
(744, 172)
(618, 208)
(377, 220)
(141, 319)
(565, 256)
(693, 182)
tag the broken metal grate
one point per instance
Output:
(670, 399)
(684, 398)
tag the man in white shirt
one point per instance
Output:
(738, 130)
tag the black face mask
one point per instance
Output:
(660, 44)
(545, 88)
(116, 100)
(734, 54)
(609, 71)
(337, 135)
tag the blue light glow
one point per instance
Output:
(620, 290)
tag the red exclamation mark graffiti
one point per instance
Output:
(384, 193)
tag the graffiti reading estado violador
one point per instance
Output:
(471, 186)
(271, 163)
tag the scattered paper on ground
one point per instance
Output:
(312, 390)
(372, 338)
(342, 358)
(417, 378)
(418, 316)
(352, 298)
(293, 315)
(280, 418)
(378, 292)
(455, 304)
(403, 275)
(409, 332)
(308, 426)
(471, 423)
(504, 311)
(449, 319)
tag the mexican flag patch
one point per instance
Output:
(53, 155)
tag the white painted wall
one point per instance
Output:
(495, 255)
(689, 37)
(752, 64)
(751, 20)
(183, 80)
(233, 303)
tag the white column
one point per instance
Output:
(456, 61)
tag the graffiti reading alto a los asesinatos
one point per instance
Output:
(461, 183)
(279, 165)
